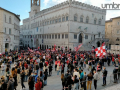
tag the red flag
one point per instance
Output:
(100, 51)
(54, 46)
(103, 44)
(75, 48)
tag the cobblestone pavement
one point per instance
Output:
(114, 87)
(54, 81)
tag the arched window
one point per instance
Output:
(75, 17)
(95, 20)
(10, 19)
(99, 22)
(87, 19)
(81, 18)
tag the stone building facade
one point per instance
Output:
(112, 31)
(67, 24)
(9, 30)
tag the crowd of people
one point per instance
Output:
(35, 66)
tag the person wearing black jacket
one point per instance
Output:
(115, 71)
(41, 66)
(108, 60)
(22, 79)
(45, 78)
(31, 83)
(68, 82)
(104, 76)
(50, 69)
(76, 82)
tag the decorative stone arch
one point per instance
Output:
(80, 37)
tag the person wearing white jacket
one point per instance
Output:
(96, 77)
(3, 68)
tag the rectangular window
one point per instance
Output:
(86, 36)
(63, 19)
(40, 35)
(75, 36)
(5, 30)
(66, 18)
(62, 36)
(66, 35)
(52, 36)
(59, 19)
(5, 18)
(50, 21)
(58, 36)
(53, 22)
(56, 20)
(9, 31)
(55, 36)
(47, 36)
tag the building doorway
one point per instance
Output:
(80, 38)
(6, 46)
(98, 44)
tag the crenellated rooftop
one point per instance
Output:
(77, 3)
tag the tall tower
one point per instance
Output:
(35, 7)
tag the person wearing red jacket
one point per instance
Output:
(113, 59)
(38, 85)
(25, 65)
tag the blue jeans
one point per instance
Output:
(58, 72)
(41, 69)
(113, 63)
(76, 86)
(45, 82)
(104, 80)
(3, 72)
(37, 71)
(26, 77)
